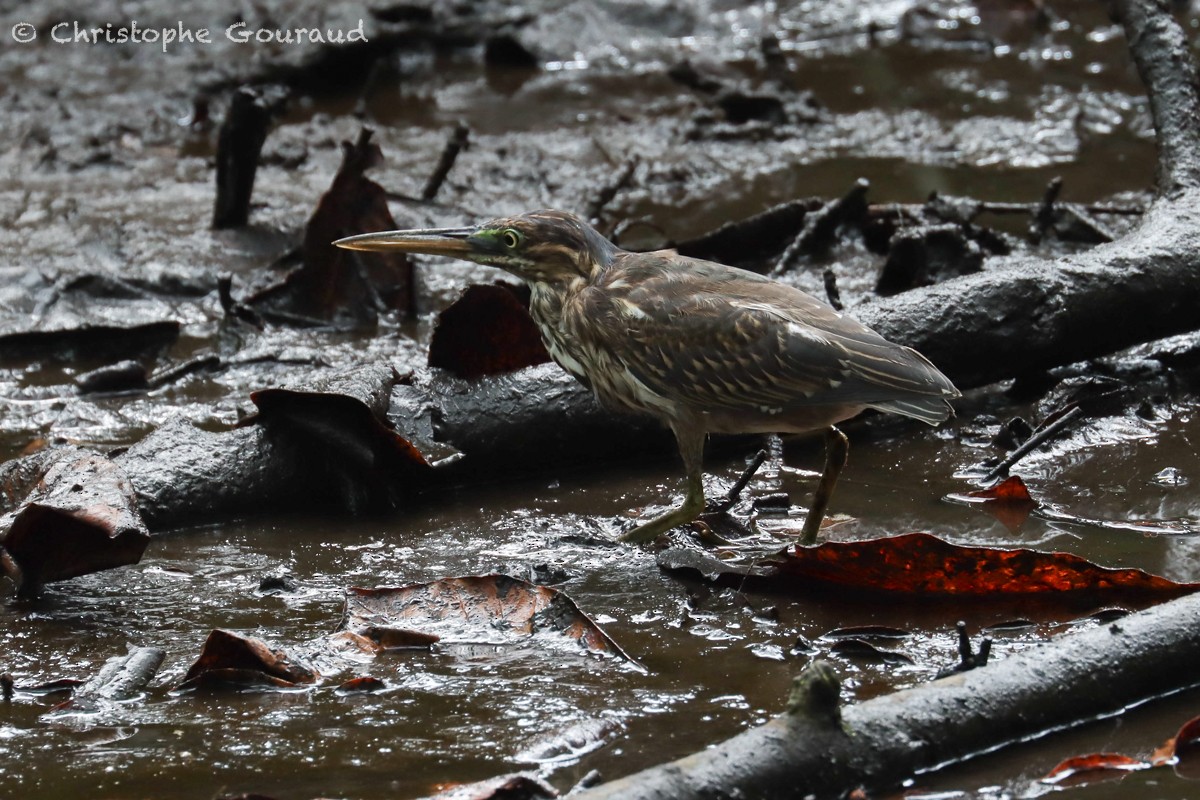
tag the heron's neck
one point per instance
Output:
(546, 305)
(546, 300)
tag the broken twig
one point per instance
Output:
(454, 145)
(609, 190)
(1040, 435)
(821, 225)
(739, 486)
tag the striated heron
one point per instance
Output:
(703, 347)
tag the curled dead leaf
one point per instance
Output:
(73, 513)
(231, 659)
(1093, 768)
(495, 609)
(1008, 501)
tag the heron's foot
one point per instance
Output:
(693, 507)
(720, 528)
(837, 450)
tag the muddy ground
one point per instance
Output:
(663, 121)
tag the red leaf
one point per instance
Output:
(1187, 741)
(1093, 768)
(486, 331)
(919, 563)
(1011, 489)
(1183, 750)
(922, 564)
(1007, 501)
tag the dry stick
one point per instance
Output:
(739, 486)
(1039, 436)
(454, 145)
(820, 225)
(609, 191)
(831, 288)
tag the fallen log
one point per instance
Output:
(816, 749)
(369, 439)
(320, 445)
(1038, 313)
(517, 423)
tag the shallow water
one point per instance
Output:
(995, 123)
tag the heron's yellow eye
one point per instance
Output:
(511, 238)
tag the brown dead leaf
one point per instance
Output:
(495, 609)
(73, 513)
(344, 419)
(486, 331)
(337, 285)
(361, 685)
(231, 659)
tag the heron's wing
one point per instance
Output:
(722, 339)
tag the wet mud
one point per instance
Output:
(285, 438)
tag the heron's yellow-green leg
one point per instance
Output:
(691, 447)
(837, 450)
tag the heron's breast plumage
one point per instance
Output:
(592, 363)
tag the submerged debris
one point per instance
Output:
(477, 609)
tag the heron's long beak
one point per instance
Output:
(434, 242)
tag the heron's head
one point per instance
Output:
(538, 246)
